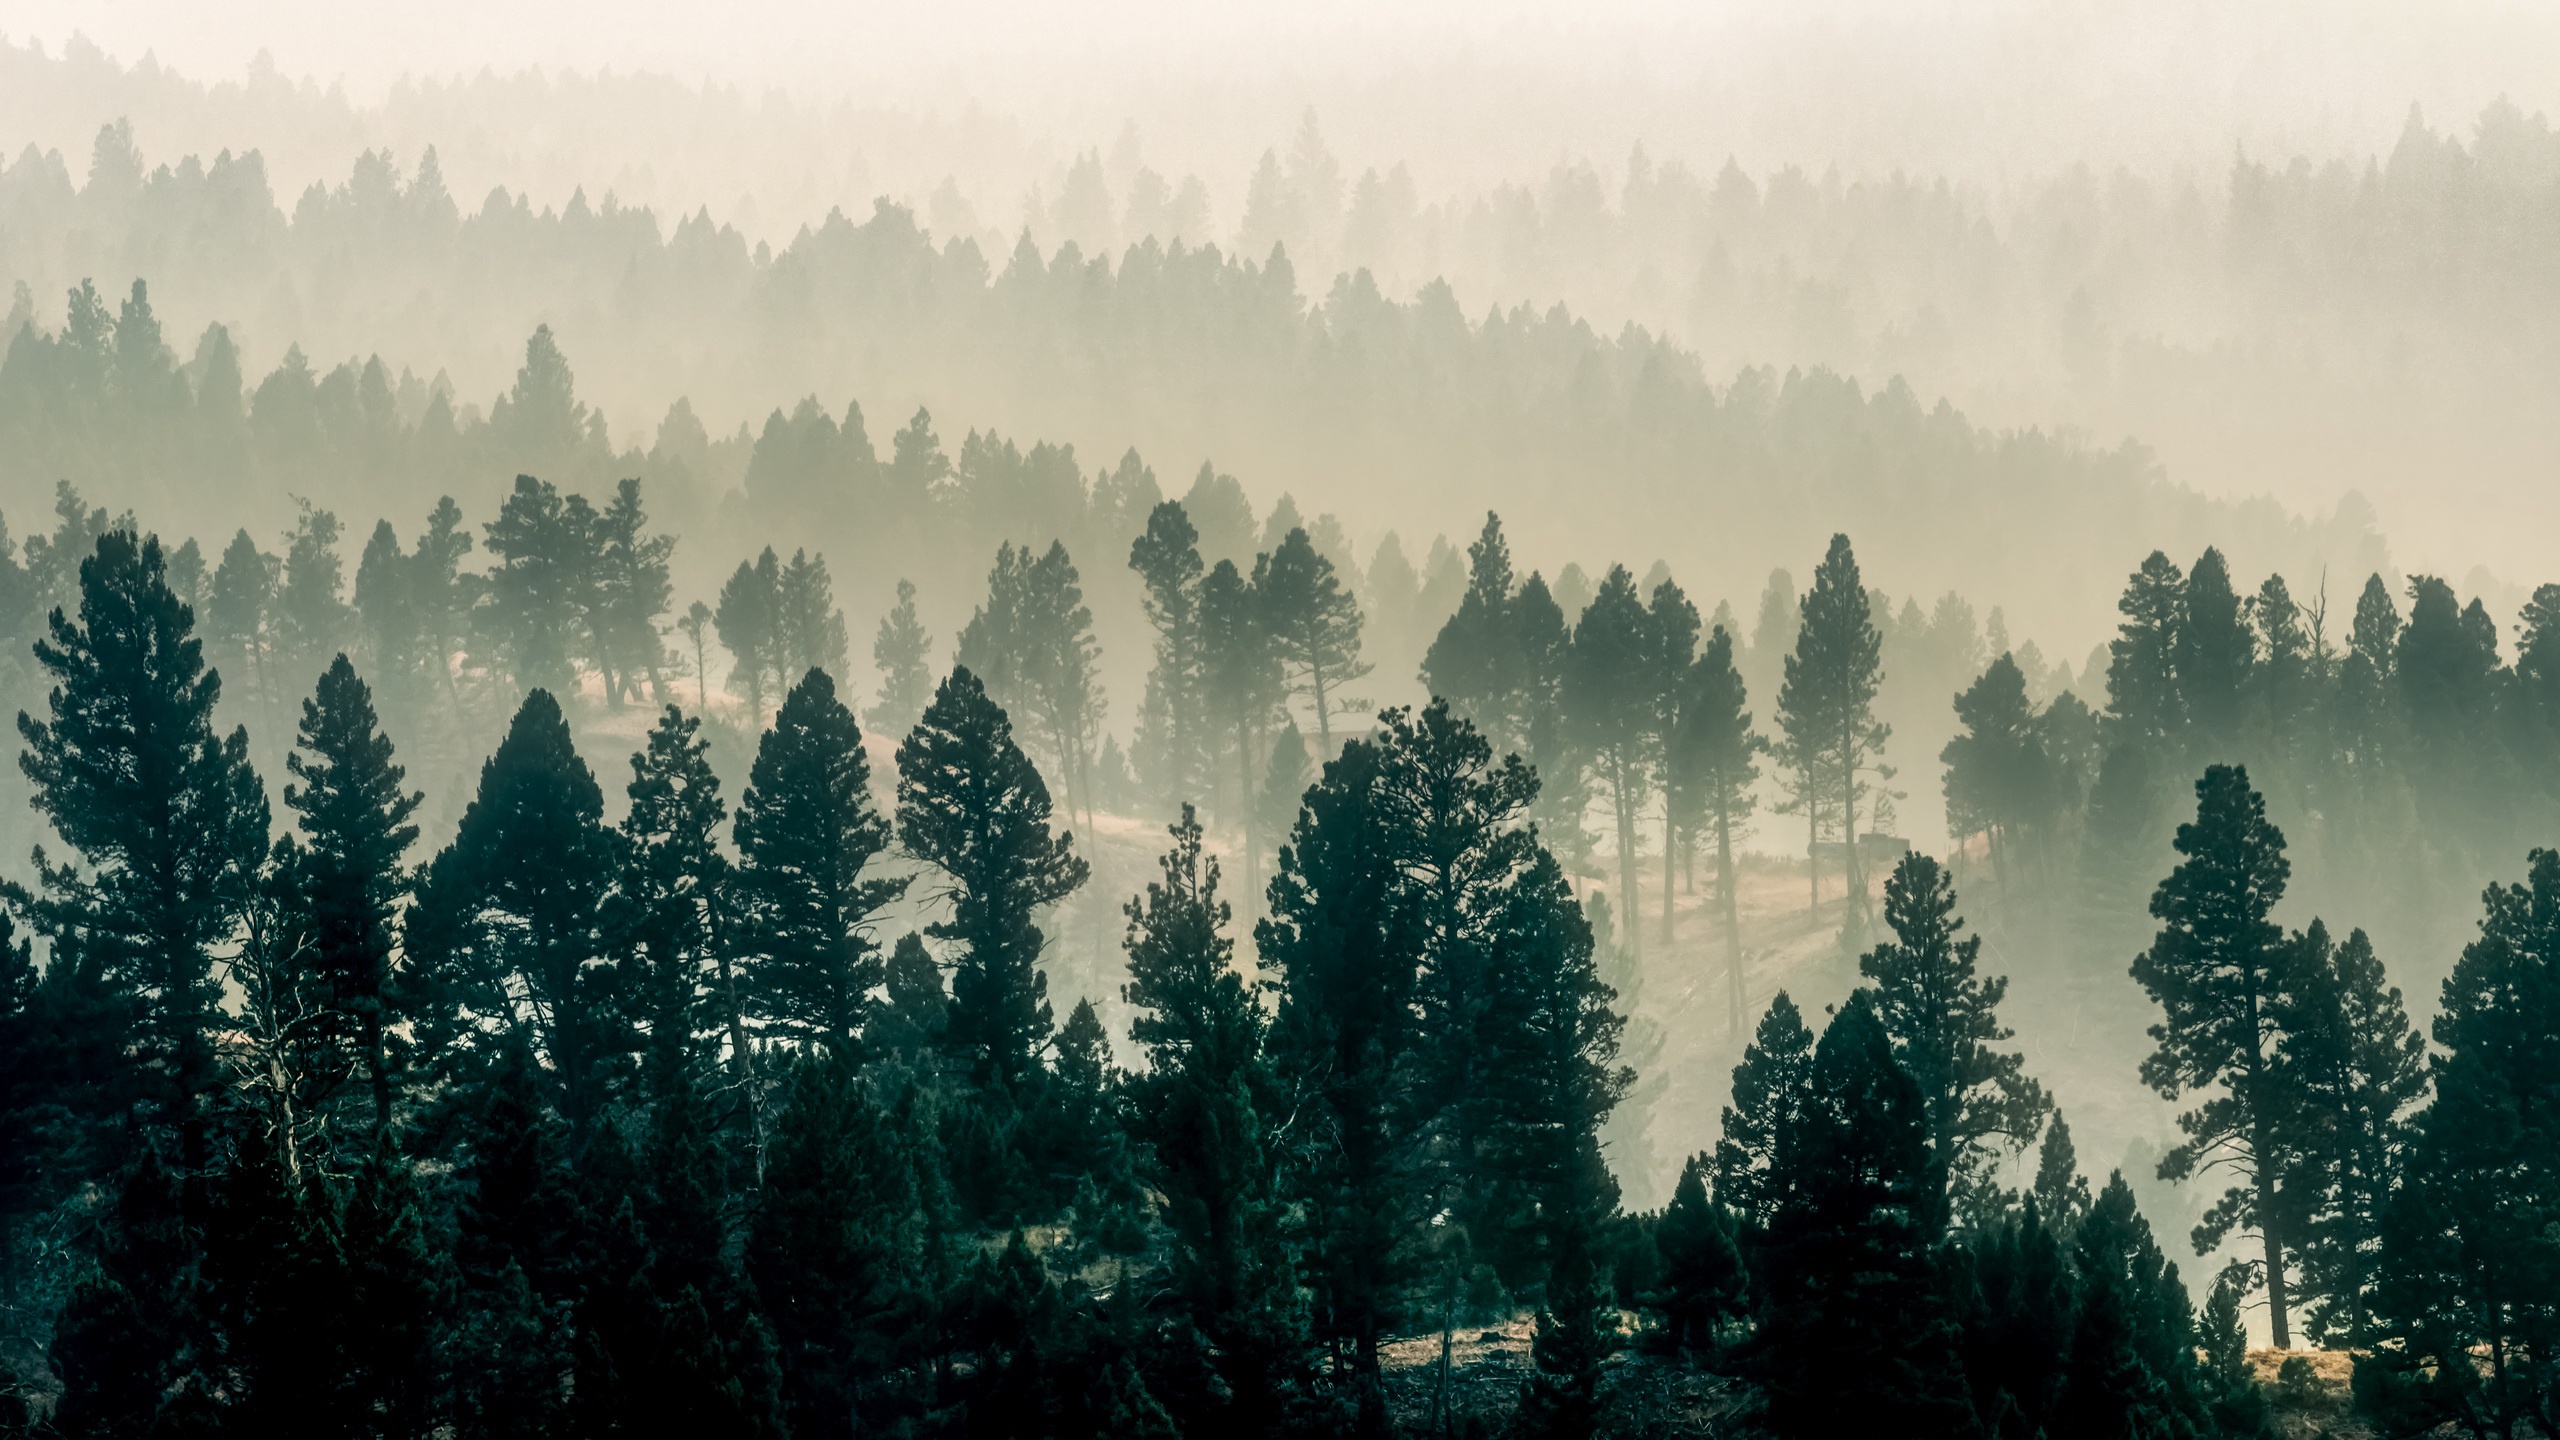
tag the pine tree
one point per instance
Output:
(631, 589)
(1713, 775)
(971, 805)
(2469, 1270)
(354, 820)
(2001, 782)
(1673, 635)
(2356, 1066)
(808, 831)
(903, 654)
(1768, 1096)
(1173, 746)
(837, 1252)
(671, 910)
(809, 632)
(1827, 704)
(696, 623)
(2220, 971)
(1475, 662)
(1854, 1334)
(311, 619)
(2061, 1192)
(168, 816)
(1703, 1284)
(1346, 983)
(1613, 700)
(534, 602)
(2142, 675)
(1240, 693)
(1943, 1022)
(749, 624)
(506, 930)
(237, 619)
(2212, 654)
(1315, 626)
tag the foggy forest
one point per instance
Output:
(1786, 721)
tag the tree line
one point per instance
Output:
(579, 1127)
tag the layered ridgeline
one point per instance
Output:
(584, 1126)
(1385, 405)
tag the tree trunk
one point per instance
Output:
(1628, 902)
(1670, 860)
(1324, 715)
(2279, 1322)
(1851, 870)
(1246, 808)
(1732, 917)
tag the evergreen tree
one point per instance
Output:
(1475, 662)
(533, 606)
(839, 1255)
(808, 630)
(1612, 693)
(2356, 1066)
(902, 653)
(1346, 983)
(696, 623)
(808, 830)
(749, 624)
(1703, 1284)
(2142, 674)
(1854, 1334)
(506, 931)
(1173, 747)
(1672, 629)
(354, 820)
(1714, 772)
(237, 620)
(2470, 1275)
(168, 816)
(1240, 693)
(1768, 1097)
(910, 1025)
(2001, 782)
(2212, 654)
(971, 806)
(1943, 1023)
(311, 618)
(1827, 704)
(1314, 625)
(2060, 1192)
(2221, 972)
(671, 909)
(630, 589)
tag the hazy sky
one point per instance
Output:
(1947, 86)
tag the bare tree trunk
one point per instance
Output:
(1629, 903)
(1670, 859)
(1732, 917)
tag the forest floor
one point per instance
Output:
(1654, 1397)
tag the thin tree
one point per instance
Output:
(1714, 773)
(1827, 703)
(903, 654)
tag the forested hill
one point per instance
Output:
(1409, 413)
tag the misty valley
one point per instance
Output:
(1634, 801)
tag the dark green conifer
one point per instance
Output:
(1854, 1334)
(971, 805)
(506, 938)
(2222, 972)
(809, 836)
(1768, 1096)
(1944, 1024)
(355, 825)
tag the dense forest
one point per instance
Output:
(1414, 789)
(582, 1126)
